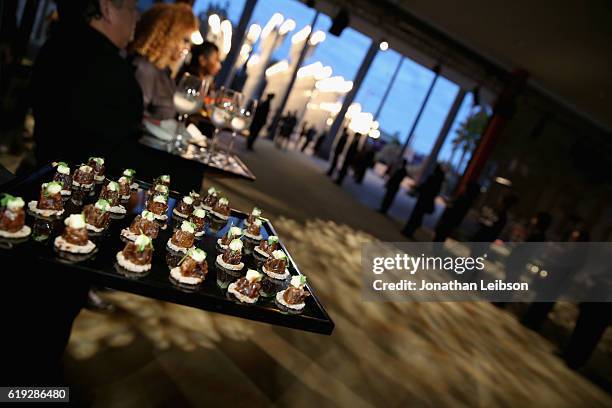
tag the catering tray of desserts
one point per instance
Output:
(148, 239)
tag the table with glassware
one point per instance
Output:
(224, 109)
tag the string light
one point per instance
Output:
(254, 33)
(226, 28)
(196, 38)
(275, 21)
(317, 37)
(215, 24)
(301, 35)
(277, 68)
(384, 46)
(288, 25)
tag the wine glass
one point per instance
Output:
(221, 112)
(188, 98)
(242, 117)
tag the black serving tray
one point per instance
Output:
(102, 270)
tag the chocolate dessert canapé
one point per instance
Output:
(12, 215)
(98, 214)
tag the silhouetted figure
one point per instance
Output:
(319, 142)
(591, 324)
(260, 117)
(309, 135)
(286, 129)
(456, 211)
(364, 160)
(349, 157)
(392, 185)
(337, 151)
(491, 224)
(426, 202)
(538, 226)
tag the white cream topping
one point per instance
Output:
(102, 205)
(257, 222)
(76, 221)
(256, 212)
(194, 195)
(143, 241)
(147, 215)
(278, 254)
(53, 187)
(197, 255)
(235, 245)
(187, 226)
(165, 178)
(63, 169)
(15, 204)
(113, 186)
(223, 201)
(200, 213)
(212, 190)
(273, 238)
(123, 179)
(296, 281)
(161, 188)
(85, 169)
(234, 232)
(253, 276)
(129, 173)
(188, 200)
(159, 199)
(99, 160)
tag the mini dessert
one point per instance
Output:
(158, 206)
(197, 200)
(97, 216)
(137, 255)
(192, 269)
(130, 173)
(125, 191)
(50, 202)
(198, 217)
(221, 210)
(232, 233)
(83, 177)
(184, 207)
(12, 218)
(142, 224)
(62, 176)
(253, 231)
(293, 297)
(75, 239)
(158, 189)
(276, 265)
(246, 289)
(163, 179)
(231, 258)
(110, 192)
(255, 214)
(182, 239)
(211, 199)
(97, 164)
(267, 246)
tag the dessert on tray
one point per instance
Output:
(125, 190)
(198, 218)
(267, 246)
(253, 231)
(83, 177)
(137, 255)
(246, 289)
(97, 164)
(12, 218)
(130, 173)
(158, 205)
(144, 223)
(276, 266)
(221, 210)
(192, 269)
(197, 199)
(159, 189)
(254, 215)
(184, 207)
(110, 192)
(163, 179)
(293, 298)
(232, 233)
(231, 258)
(211, 199)
(75, 238)
(183, 238)
(50, 202)
(62, 175)
(97, 216)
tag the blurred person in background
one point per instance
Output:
(205, 61)
(428, 191)
(392, 186)
(161, 42)
(260, 117)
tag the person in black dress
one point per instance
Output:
(337, 151)
(392, 186)
(260, 117)
(456, 211)
(349, 158)
(426, 202)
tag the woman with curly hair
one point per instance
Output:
(161, 41)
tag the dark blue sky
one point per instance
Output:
(345, 53)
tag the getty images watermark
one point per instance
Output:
(531, 272)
